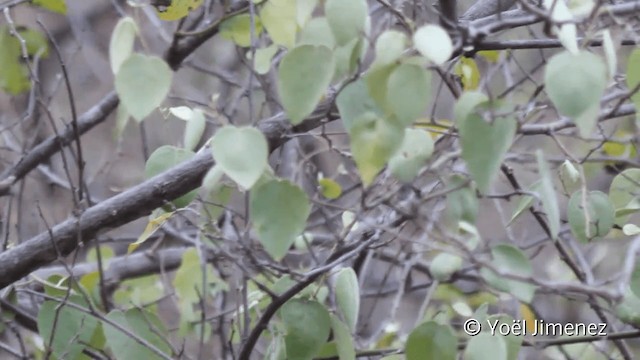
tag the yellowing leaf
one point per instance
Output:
(329, 188)
(57, 6)
(469, 73)
(178, 9)
(152, 226)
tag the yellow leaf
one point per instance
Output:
(177, 10)
(491, 55)
(329, 188)
(153, 225)
(529, 318)
(468, 71)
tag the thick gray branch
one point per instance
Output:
(484, 8)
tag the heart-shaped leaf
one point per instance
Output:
(346, 18)
(432, 341)
(142, 83)
(164, 158)
(121, 44)
(434, 43)
(484, 145)
(416, 148)
(303, 77)
(242, 153)
(624, 194)
(307, 324)
(511, 260)
(389, 47)
(348, 296)
(353, 101)
(279, 211)
(408, 92)
(373, 141)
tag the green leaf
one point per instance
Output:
(343, 338)
(279, 211)
(194, 129)
(303, 77)
(486, 346)
(164, 158)
(346, 18)
(624, 194)
(373, 142)
(264, 56)
(347, 57)
(348, 296)
(629, 309)
(242, 153)
(353, 101)
(330, 188)
(462, 203)
(509, 259)
(575, 84)
(188, 283)
(569, 177)
(444, 265)
(35, 42)
(526, 201)
(14, 77)
(142, 83)
(238, 29)
(631, 229)
(307, 325)
(512, 341)
(57, 6)
(155, 223)
(122, 41)
(548, 196)
(317, 32)
(484, 145)
(389, 47)
(408, 92)
(416, 149)
(599, 214)
(177, 9)
(633, 76)
(73, 327)
(377, 81)
(279, 18)
(434, 43)
(304, 11)
(431, 341)
(143, 324)
(122, 119)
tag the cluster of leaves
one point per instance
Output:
(380, 108)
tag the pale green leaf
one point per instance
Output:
(264, 56)
(416, 149)
(307, 326)
(353, 101)
(431, 341)
(509, 259)
(389, 47)
(434, 43)
(462, 201)
(575, 84)
(238, 29)
(241, 153)
(164, 158)
(548, 196)
(122, 41)
(317, 32)
(188, 283)
(444, 265)
(484, 145)
(624, 194)
(373, 141)
(346, 18)
(142, 83)
(194, 129)
(569, 177)
(633, 76)
(303, 78)
(304, 10)
(348, 296)
(279, 18)
(73, 327)
(408, 92)
(631, 229)
(486, 346)
(144, 325)
(343, 338)
(279, 211)
(591, 216)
